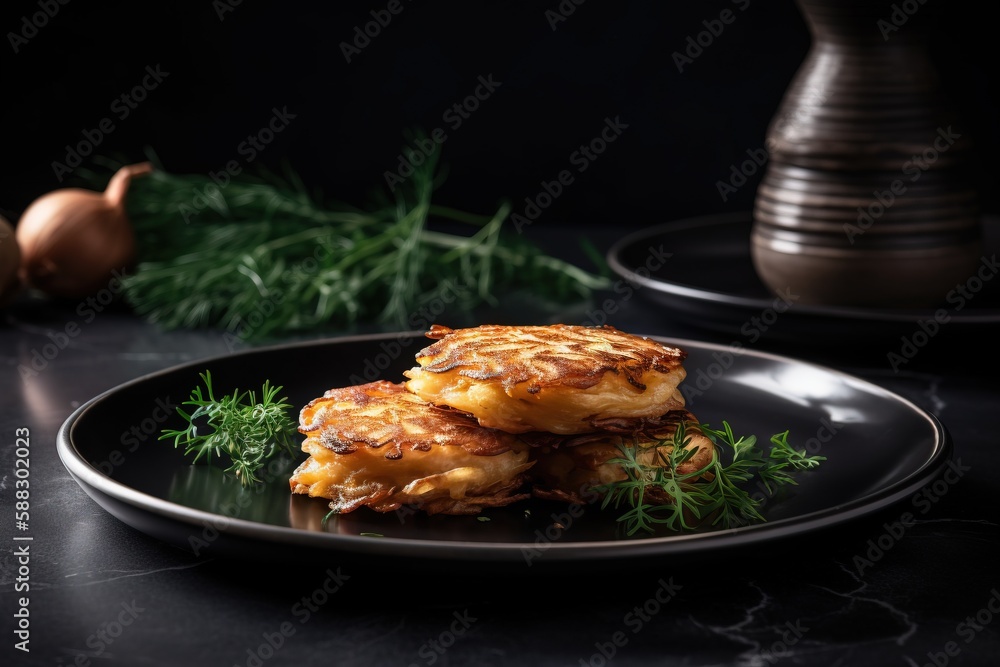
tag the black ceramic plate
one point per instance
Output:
(880, 449)
(727, 296)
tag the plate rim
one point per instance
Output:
(688, 292)
(93, 480)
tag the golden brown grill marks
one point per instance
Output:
(383, 414)
(555, 355)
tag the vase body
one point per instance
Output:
(867, 199)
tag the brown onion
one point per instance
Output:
(10, 260)
(72, 241)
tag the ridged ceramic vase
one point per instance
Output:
(867, 198)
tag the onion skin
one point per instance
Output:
(72, 241)
(10, 261)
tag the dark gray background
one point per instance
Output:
(607, 59)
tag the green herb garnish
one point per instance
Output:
(248, 431)
(717, 490)
(259, 256)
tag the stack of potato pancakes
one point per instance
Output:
(492, 415)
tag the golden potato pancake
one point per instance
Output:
(381, 446)
(560, 378)
(568, 468)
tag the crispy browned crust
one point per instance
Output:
(497, 497)
(649, 429)
(554, 355)
(349, 428)
(381, 497)
(359, 436)
(558, 495)
(384, 414)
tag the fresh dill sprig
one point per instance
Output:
(718, 490)
(261, 257)
(248, 431)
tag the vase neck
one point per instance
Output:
(867, 23)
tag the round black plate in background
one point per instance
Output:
(709, 282)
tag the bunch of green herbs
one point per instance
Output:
(261, 257)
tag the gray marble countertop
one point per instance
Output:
(102, 592)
